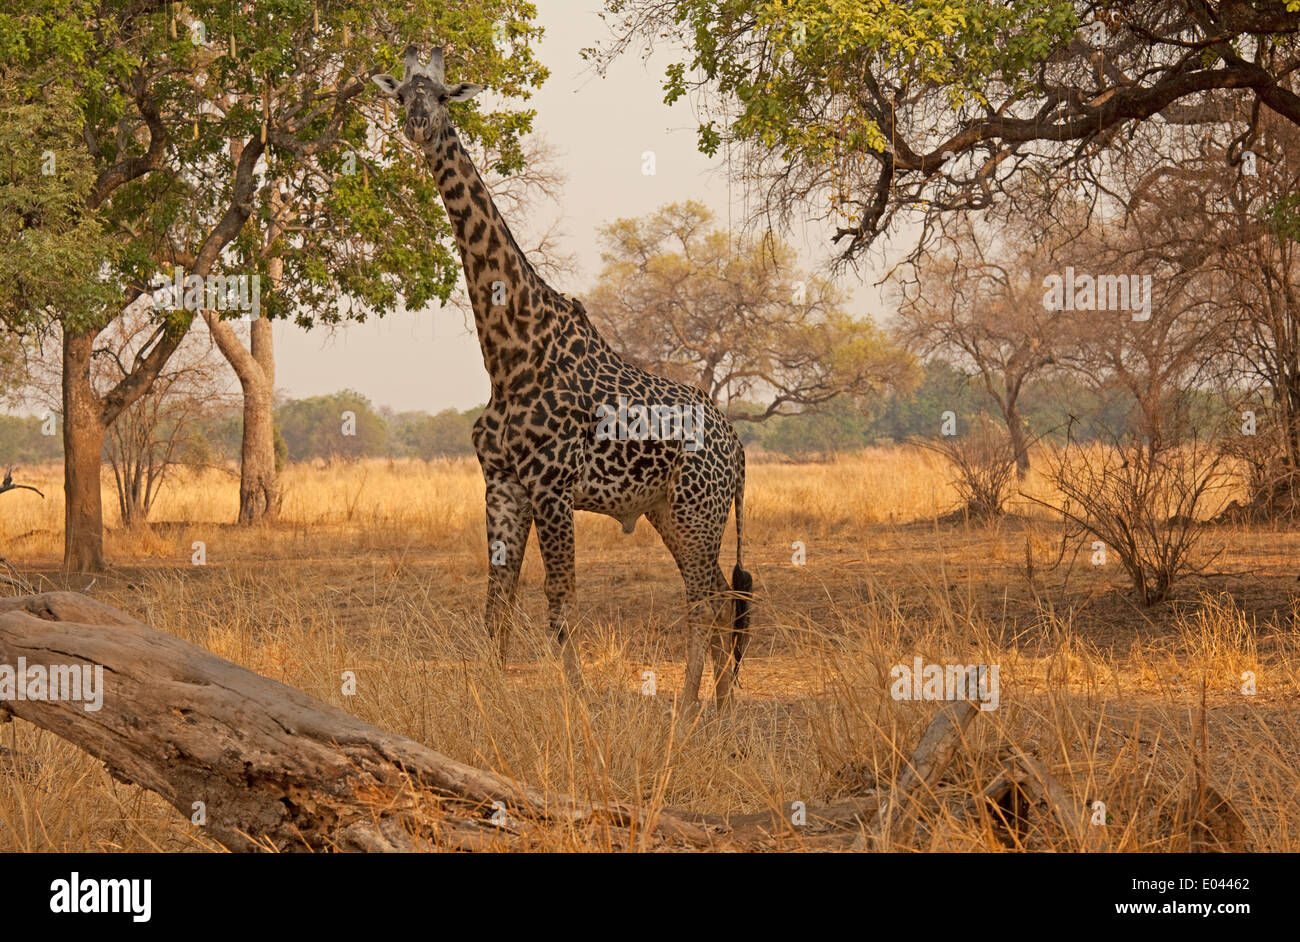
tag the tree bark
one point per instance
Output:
(86, 416)
(923, 770)
(83, 448)
(258, 486)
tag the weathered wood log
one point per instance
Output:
(1005, 800)
(273, 767)
(848, 816)
(1073, 818)
(926, 766)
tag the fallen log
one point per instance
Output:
(1074, 819)
(1023, 783)
(816, 821)
(268, 766)
(926, 766)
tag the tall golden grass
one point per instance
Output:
(378, 569)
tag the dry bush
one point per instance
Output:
(1148, 507)
(984, 463)
(1272, 483)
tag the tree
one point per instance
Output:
(323, 241)
(840, 426)
(179, 124)
(22, 440)
(1235, 235)
(978, 300)
(516, 188)
(343, 425)
(918, 412)
(869, 114)
(424, 436)
(162, 430)
(736, 319)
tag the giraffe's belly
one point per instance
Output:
(627, 479)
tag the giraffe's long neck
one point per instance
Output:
(505, 291)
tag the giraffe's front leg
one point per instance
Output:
(509, 518)
(553, 515)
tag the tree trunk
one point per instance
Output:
(258, 487)
(1016, 429)
(259, 496)
(83, 448)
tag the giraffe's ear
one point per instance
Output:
(464, 91)
(387, 84)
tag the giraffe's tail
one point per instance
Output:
(742, 583)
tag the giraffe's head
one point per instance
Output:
(423, 95)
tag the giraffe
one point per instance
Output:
(572, 426)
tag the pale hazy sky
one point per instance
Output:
(599, 128)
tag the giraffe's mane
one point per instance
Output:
(573, 303)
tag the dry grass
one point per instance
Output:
(378, 568)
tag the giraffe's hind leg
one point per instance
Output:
(509, 518)
(695, 549)
(720, 648)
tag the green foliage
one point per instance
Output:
(840, 426)
(1284, 216)
(364, 230)
(51, 251)
(1047, 406)
(779, 59)
(445, 435)
(343, 425)
(21, 442)
(312, 428)
(942, 388)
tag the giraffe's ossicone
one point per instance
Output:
(571, 426)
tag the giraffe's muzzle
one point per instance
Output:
(417, 129)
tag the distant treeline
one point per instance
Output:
(1047, 408)
(347, 425)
